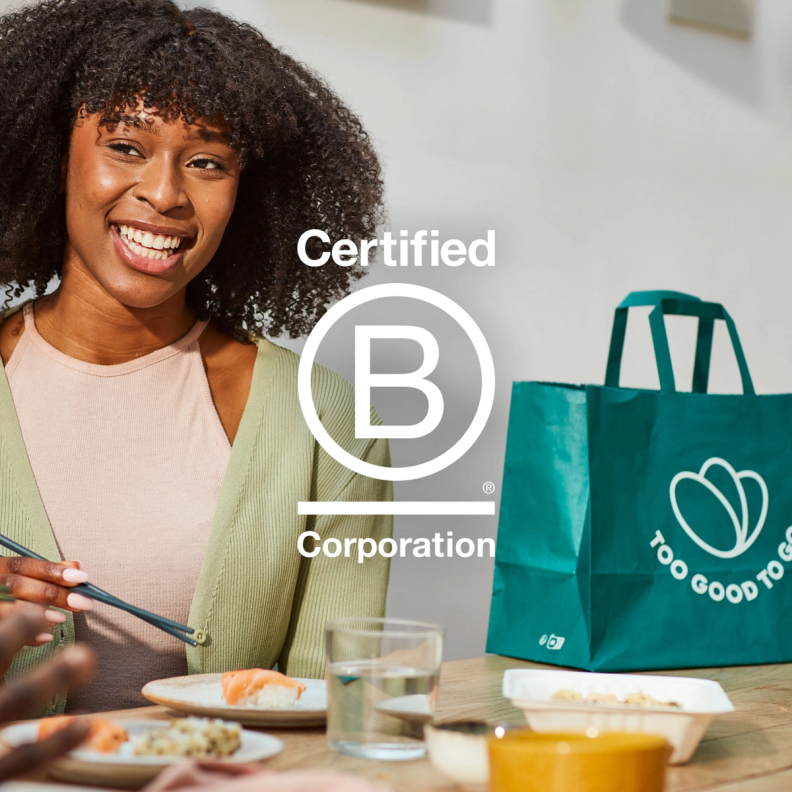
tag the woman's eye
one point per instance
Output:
(204, 163)
(125, 148)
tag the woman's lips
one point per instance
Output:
(143, 263)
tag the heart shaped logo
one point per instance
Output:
(744, 541)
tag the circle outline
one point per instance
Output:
(486, 365)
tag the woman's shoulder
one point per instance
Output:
(12, 327)
(275, 387)
(332, 393)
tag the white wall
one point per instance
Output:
(610, 152)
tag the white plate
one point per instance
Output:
(531, 690)
(201, 694)
(85, 766)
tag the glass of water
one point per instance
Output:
(382, 680)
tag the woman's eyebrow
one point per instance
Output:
(211, 136)
(208, 135)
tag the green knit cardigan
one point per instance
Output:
(258, 602)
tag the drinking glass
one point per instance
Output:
(382, 680)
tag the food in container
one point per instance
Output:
(104, 736)
(638, 699)
(697, 702)
(196, 737)
(459, 750)
(523, 761)
(258, 687)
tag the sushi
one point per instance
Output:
(104, 735)
(257, 687)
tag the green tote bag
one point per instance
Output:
(646, 529)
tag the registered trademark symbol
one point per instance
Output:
(488, 487)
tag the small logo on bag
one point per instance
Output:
(744, 541)
(552, 641)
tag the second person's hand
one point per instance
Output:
(21, 696)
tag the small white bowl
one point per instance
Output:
(459, 750)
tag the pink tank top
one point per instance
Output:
(129, 460)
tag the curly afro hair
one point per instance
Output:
(308, 163)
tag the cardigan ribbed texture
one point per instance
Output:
(129, 460)
(258, 602)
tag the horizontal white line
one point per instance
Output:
(397, 507)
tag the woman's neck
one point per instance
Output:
(83, 321)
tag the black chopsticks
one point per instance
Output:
(94, 592)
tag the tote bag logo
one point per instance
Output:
(746, 532)
(741, 524)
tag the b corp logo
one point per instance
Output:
(365, 381)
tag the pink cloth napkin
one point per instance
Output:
(216, 777)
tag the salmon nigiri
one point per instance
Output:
(258, 687)
(104, 735)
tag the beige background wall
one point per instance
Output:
(610, 152)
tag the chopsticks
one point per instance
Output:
(94, 592)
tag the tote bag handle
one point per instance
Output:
(675, 304)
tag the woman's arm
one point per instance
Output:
(330, 588)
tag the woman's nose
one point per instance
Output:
(161, 187)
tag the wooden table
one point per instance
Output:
(745, 751)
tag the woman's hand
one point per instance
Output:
(20, 697)
(45, 583)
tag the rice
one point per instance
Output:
(638, 699)
(271, 697)
(197, 737)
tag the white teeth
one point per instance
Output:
(157, 255)
(144, 243)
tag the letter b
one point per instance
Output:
(365, 381)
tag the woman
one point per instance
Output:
(160, 165)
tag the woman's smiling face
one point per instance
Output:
(147, 202)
